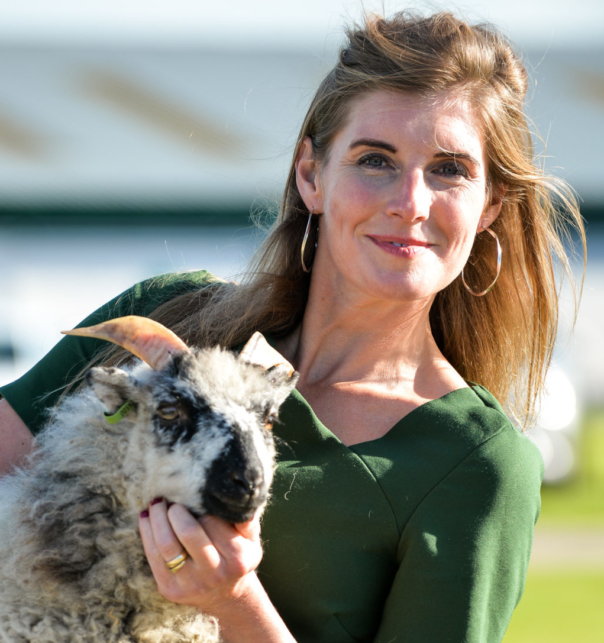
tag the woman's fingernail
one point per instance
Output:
(156, 501)
(144, 513)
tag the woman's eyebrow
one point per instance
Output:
(457, 155)
(372, 142)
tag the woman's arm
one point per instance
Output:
(219, 576)
(16, 440)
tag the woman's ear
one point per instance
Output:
(492, 211)
(307, 177)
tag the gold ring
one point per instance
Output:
(176, 563)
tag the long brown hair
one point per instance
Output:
(503, 340)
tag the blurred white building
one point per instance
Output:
(179, 129)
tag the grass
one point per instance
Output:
(580, 502)
(567, 606)
(561, 607)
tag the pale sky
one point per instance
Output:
(276, 22)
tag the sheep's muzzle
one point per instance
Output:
(237, 485)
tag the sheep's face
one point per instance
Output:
(200, 432)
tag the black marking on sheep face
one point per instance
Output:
(236, 485)
(181, 412)
(178, 419)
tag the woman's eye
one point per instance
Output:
(373, 161)
(168, 413)
(452, 170)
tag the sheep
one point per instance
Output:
(193, 428)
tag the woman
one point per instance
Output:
(410, 518)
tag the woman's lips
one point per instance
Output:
(400, 247)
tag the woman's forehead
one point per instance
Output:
(445, 121)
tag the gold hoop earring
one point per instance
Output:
(499, 253)
(305, 239)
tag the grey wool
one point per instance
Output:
(73, 569)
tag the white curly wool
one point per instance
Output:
(73, 568)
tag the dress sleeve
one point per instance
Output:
(39, 389)
(464, 553)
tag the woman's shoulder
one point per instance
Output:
(463, 439)
(146, 295)
(473, 416)
(475, 432)
(181, 280)
(463, 457)
(490, 470)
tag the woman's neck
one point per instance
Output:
(360, 339)
(365, 363)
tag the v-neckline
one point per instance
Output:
(394, 428)
(418, 410)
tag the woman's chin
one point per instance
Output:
(397, 289)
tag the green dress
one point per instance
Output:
(420, 536)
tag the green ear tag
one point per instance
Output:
(121, 413)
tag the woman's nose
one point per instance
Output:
(411, 197)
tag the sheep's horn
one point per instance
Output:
(259, 352)
(145, 338)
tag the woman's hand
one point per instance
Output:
(222, 557)
(219, 575)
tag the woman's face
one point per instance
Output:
(402, 194)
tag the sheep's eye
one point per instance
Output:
(168, 412)
(270, 419)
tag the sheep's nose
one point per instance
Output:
(241, 482)
(246, 484)
(239, 488)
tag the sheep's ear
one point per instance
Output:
(284, 381)
(259, 352)
(279, 371)
(112, 386)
